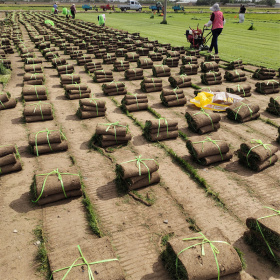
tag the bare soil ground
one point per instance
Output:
(134, 229)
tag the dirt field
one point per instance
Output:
(134, 229)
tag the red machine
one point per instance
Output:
(106, 7)
(196, 38)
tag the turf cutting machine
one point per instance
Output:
(197, 39)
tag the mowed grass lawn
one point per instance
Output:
(258, 47)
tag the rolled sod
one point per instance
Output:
(11, 103)
(38, 118)
(38, 109)
(8, 159)
(50, 148)
(11, 168)
(106, 129)
(93, 250)
(193, 263)
(243, 111)
(180, 81)
(198, 119)
(53, 186)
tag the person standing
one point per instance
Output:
(73, 10)
(242, 12)
(217, 20)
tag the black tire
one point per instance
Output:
(86, 9)
(104, 9)
(124, 9)
(140, 10)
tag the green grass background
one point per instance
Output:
(257, 47)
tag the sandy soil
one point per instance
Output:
(134, 229)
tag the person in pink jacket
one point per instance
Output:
(217, 20)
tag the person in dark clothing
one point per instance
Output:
(242, 12)
(73, 10)
(217, 20)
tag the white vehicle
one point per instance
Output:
(131, 5)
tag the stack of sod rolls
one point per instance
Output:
(38, 111)
(181, 50)
(274, 106)
(90, 67)
(131, 56)
(137, 173)
(193, 53)
(50, 55)
(243, 111)
(154, 56)
(264, 73)
(109, 58)
(6, 102)
(68, 79)
(235, 76)
(58, 61)
(211, 78)
(27, 55)
(171, 61)
(173, 54)
(55, 185)
(189, 59)
(160, 50)
(65, 69)
(242, 90)
(145, 63)
(114, 88)
(52, 49)
(33, 79)
(121, 65)
(111, 49)
(99, 53)
(111, 134)
(47, 141)
(91, 49)
(181, 81)
(121, 52)
(90, 250)
(209, 66)
(102, 76)
(203, 121)
(33, 68)
(268, 87)
(167, 46)
(134, 74)
(135, 102)
(33, 61)
(235, 64)
(161, 71)
(257, 155)
(9, 159)
(189, 69)
(82, 60)
(6, 63)
(149, 46)
(173, 97)
(212, 57)
(151, 84)
(77, 91)
(34, 93)
(130, 47)
(69, 50)
(264, 233)
(143, 51)
(161, 129)
(206, 150)
(91, 108)
(201, 256)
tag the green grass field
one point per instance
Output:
(257, 47)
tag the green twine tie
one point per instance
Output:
(260, 143)
(159, 125)
(238, 108)
(203, 112)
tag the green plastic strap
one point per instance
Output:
(174, 90)
(273, 83)
(85, 262)
(36, 105)
(260, 143)
(135, 95)
(56, 172)
(190, 66)
(183, 77)
(236, 72)
(277, 213)
(2, 104)
(159, 125)
(205, 240)
(140, 160)
(208, 139)
(238, 108)
(36, 92)
(203, 112)
(153, 83)
(240, 87)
